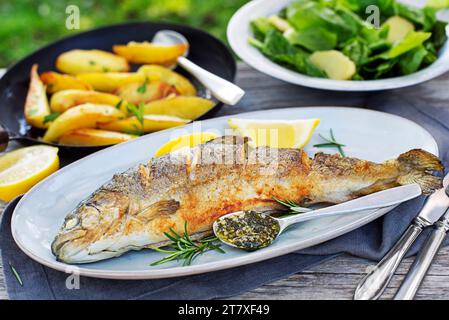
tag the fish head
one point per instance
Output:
(88, 225)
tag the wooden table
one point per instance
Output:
(335, 279)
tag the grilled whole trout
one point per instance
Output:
(200, 184)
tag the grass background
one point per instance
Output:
(27, 25)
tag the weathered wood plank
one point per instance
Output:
(321, 286)
(337, 279)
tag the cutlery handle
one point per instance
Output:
(381, 199)
(222, 89)
(421, 265)
(375, 282)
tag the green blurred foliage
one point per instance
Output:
(27, 25)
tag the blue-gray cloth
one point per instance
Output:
(426, 104)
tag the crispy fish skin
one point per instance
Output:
(200, 184)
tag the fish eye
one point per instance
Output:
(71, 222)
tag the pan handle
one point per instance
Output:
(4, 138)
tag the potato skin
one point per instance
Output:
(110, 81)
(93, 137)
(146, 53)
(145, 92)
(83, 116)
(183, 107)
(84, 61)
(56, 82)
(61, 101)
(156, 72)
(36, 104)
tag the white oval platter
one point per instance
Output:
(38, 216)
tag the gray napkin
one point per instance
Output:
(425, 104)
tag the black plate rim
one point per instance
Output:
(160, 24)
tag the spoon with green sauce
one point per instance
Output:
(251, 230)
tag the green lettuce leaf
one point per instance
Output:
(277, 48)
(411, 41)
(412, 60)
(313, 39)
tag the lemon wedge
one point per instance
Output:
(275, 133)
(21, 169)
(185, 141)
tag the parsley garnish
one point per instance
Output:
(143, 88)
(51, 117)
(119, 104)
(138, 111)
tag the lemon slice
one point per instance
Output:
(21, 169)
(275, 133)
(185, 141)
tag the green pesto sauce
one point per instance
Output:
(249, 231)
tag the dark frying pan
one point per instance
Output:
(205, 50)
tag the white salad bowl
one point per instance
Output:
(239, 31)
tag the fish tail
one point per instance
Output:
(418, 167)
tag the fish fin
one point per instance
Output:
(264, 206)
(418, 166)
(420, 160)
(160, 208)
(427, 182)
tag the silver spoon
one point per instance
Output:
(376, 200)
(221, 89)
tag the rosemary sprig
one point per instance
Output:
(331, 143)
(16, 274)
(184, 248)
(292, 206)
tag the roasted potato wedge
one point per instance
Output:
(151, 123)
(56, 82)
(398, 28)
(83, 116)
(183, 107)
(61, 101)
(145, 92)
(36, 104)
(182, 84)
(146, 52)
(335, 64)
(85, 61)
(93, 137)
(110, 81)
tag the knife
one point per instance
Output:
(422, 262)
(375, 282)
